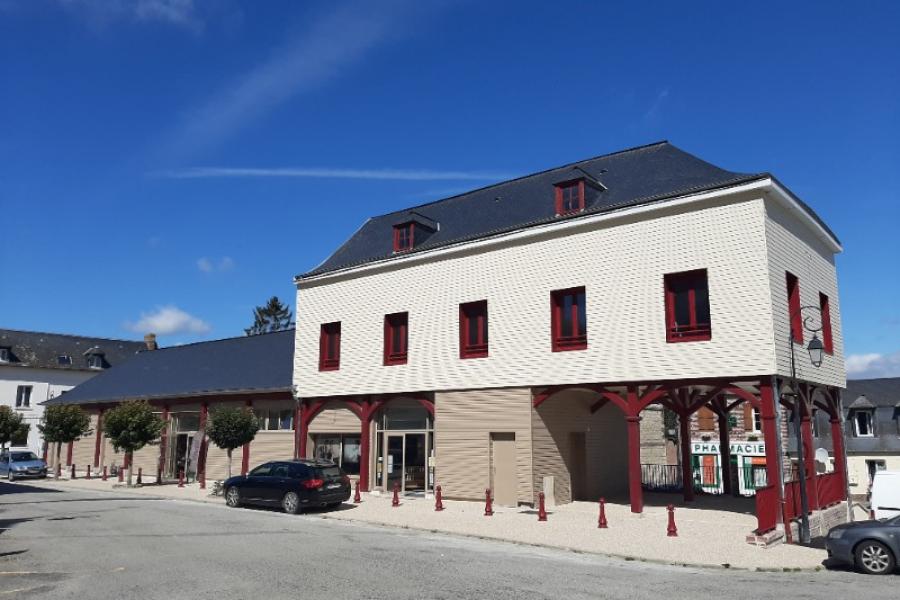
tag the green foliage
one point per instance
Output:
(231, 427)
(20, 437)
(274, 316)
(64, 423)
(10, 422)
(132, 425)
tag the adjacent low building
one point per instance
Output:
(37, 366)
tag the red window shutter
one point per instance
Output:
(569, 197)
(473, 329)
(825, 307)
(688, 316)
(748, 417)
(706, 419)
(796, 319)
(330, 346)
(568, 319)
(396, 333)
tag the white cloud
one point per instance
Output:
(330, 45)
(866, 366)
(168, 320)
(101, 13)
(336, 173)
(207, 265)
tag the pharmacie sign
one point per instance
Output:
(744, 448)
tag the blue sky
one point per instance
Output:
(173, 163)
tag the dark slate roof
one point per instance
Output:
(42, 350)
(627, 178)
(872, 393)
(250, 364)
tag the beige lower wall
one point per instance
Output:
(464, 421)
(271, 445)
(653, 441)
(858, 473)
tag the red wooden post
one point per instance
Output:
(395, 502)
(601, 522)
(837, 438)
(542, 511)
(163, 442)
(687, 469)
(121, 474)
(202, 480)
(303, 431)
(140, 473)
(88, 470)
(245, 451)
(98, 438)
(772, 439)
(634, 463)
(104, 476)
(158, 475)
(356, 497)
(671, 530)
(297, 415)
(810, 460)
(181, 478)
(69, 453)
(438, 501)
(73, 471)
(488, 504)
(364, 441)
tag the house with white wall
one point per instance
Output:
(519, 337)
(37, 366)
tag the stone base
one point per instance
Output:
(766, 540)
(821, 521)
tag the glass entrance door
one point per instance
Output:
(394, 452)
(414, 462)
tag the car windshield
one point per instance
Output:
(329, 472)
(23, 456)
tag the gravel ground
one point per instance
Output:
(706, 537)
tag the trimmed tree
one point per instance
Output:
(10, 423)
(64, 423)
(230, 428)
(130, 426)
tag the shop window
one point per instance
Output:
(23, 396)
(275, 419)
(569, 319)
(570, 197)
(341, 449)
(687, 307)
(404, 237)
(863, 425)
(396, 334)
(827, 339)
(473, 329)
(330, 347)
(796, 319)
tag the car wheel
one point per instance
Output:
(233, 497)
(10, 476)
(874, 558)
(291, 503)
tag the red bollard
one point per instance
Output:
(88, 476)
(121, 474)
(601, 523)
(488, 505)
(542, 512)
(203, 480)
(181, 478)
(438, 500)
(395, 502)
(356, 497)
(140, 473)
(73, 472)
(103, 477)
(671, 530)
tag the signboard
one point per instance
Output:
(195, 452)
(737, 448)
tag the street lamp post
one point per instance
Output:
(816, 351)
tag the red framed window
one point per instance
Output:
(396, 333)
(569, 319)
(687, 307)
(796, 319)
(570, 197)
(404, 237)
(825, 307)
(330, 347)
(473, 329)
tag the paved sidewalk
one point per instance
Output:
(706, 537)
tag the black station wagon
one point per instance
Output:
(292, 484)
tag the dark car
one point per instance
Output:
(20, 464)
(872, 546)
(292, 484)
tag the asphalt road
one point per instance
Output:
(101, 545)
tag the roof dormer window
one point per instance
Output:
(95, 361)
(404, 235)
(4, 355)
(570, 197)
(64, 360)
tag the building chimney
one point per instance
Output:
(150, 340)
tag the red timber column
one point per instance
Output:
(201, 456)
(634, 452)
(725, 451)
(837, 439)
(297, 415)
(245, 456)
(302, 429)
(98, 438)
(163, 440)
(809, 458)
(772, 440)
(687, 469)
(365, 420)
(69, 453)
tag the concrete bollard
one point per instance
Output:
(139, 477)
(104, 476)
(488, 504)
(73, 471)
(181, 478)
(356, 497)
(601, 522)
(542, 511)
(395, 502)
(438, 500)
(88, 472)
(671, 530)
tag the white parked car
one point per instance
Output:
(885, 497)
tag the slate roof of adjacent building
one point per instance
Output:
(873, 393)
(43, 350)
(250, 364)
(633, 177)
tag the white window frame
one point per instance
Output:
(4, 355)
(871, 419)
(755, 420)
(20, 396)
(95, 361)
(264, 417)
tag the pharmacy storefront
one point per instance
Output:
(748, 466)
